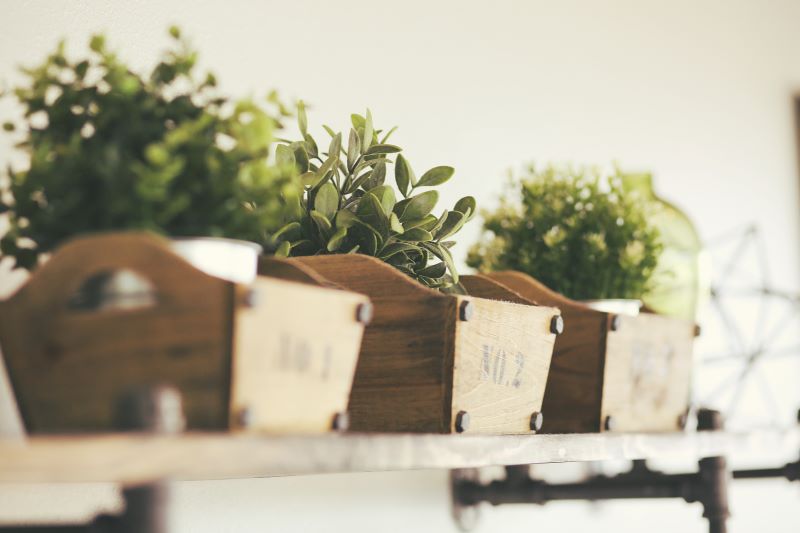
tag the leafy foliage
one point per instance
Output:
(110, 149)
(577, 231)
(349, 208)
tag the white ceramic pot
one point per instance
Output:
(617, 306)
(228, 259)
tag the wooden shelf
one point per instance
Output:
(135, 458)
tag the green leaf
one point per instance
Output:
(300, 156)
(284, 249)
(327, 200)
(335, 242)
(454, 222)
(435, 271)
(395, 248)
(353, 149)
(385, 195)
(368, 132)
(329, 131)
(436, 176)
(302, 118)
(289, 232)
(345, 218)
(383, 149)
(322, 223)
(425, 222)
(371, 212)
(336, 145)
(358, 121)
(416, 235)
(284, 155)
(466, 205)
(402, 174)
(444, 254)
(394, 224)
(311, 146)
(376, 177)
(417, 206)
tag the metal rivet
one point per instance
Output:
(462, 421)
(557, 325)
(251, 298)
(697, 330)
(364, 313)
(610, 423)
(682, 419)
(466, 310)
(537, 419)
(341, 421)
(616, 322)
(244, 417)
(709, 420)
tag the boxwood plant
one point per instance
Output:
(578, 231)
(110, 149)
(348, 207)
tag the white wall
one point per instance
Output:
(698, 92)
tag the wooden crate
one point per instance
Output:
(274, 355)
(612, 372)
(438, 363)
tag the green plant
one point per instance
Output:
(110, 149)
(348, 208)
(577, 231)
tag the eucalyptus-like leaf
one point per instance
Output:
(436, 176)
(353, 149)
(289, 232)
(283, 249)
(322, 223)
(376, 177)
(385, 195)
(402, 174)
(284, 155)
(335, 146)
(368, 132)
(388, 134)
(437, 270)
(300, 156)
(336, 240)
(302, 119)
(466, 205)
(345, 218)
(311, 146)
(454, 222)
(395, 248)
(416, 235)
(371, 211)
(425, 222)
(382, 149)
(326, 201)
(395, 225)
(417, 206)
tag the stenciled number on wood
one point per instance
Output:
(493, 367)
(302, 357)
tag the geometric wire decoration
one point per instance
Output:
(749, 350)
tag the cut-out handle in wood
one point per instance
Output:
(53, 284)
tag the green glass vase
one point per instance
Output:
(679, 283)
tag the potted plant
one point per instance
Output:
(577, 231)
(348, 207)
(433, 359)
(127, 159)
(111, 149)
(577, 239)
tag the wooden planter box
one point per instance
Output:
(438, 363)
(612, 372)
(274, 355)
